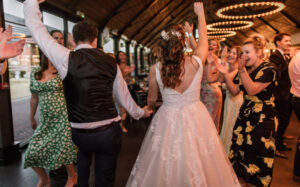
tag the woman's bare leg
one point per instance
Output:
(72, 176)
(44, 180)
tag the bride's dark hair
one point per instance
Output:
(172, 42)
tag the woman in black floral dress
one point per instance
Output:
(253, 144)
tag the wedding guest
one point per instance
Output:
(211, 94)
(182, 146)
(281, 59)
(9, 50)
(90, 78)
(294, 74)
(253, 144)
(232, 103)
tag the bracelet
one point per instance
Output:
(188, 34)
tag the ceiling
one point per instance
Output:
(142, 20)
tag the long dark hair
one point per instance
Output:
(44, 66)
(172, 42)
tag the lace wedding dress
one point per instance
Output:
(182, 147)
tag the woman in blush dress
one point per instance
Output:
(211, 94)
(182, 147)
(232, 103)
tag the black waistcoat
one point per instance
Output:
(88, 86)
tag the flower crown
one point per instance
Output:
(166, 35)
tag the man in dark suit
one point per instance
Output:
(281, 59)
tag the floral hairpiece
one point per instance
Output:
(165, 35)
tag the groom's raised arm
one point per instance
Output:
(56, 53)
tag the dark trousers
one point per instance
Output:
(296, 107)
(106, 146)
(284, 111)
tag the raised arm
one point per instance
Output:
(57, 54)
(189, 33)
(34, 100)
(202, 44)
(153, 88)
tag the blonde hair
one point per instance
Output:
(259, 43)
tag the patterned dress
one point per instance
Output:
(211, 96)
(253, 143)
(51, 145)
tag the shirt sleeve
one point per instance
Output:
(56, 53)
(123, 96)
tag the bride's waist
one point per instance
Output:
(181, 103)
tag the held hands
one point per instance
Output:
(147, 112)
(12, 49)
(198, 8)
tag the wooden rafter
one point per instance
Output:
(114, 12)
(73, 4)
(129, 24)
(151, 19)
(160, 23)
(291, 18)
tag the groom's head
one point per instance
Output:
(84, 32)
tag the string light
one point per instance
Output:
(236, 25)
(220, 34)
(271, 7)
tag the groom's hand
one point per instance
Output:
(147, 112)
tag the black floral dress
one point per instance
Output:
(253, 144)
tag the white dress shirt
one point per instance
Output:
(59, 56)
(294, 73)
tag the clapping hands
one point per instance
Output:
(12, 49)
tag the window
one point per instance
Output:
(52, 21)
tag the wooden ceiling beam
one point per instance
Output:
(73, 4)
(271, 26)
(114, 12)
(135, 17)
(170, 14)
(291, 18)
(151, 19)
(183, 10)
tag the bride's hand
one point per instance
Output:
(198, 8)
(147, 112)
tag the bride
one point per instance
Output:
(182, 146)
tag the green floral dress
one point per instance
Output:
(51, 145)
(253, 144)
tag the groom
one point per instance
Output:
(90, 79)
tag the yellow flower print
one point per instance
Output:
(265, 180)
(261, 118)
(276, 123)
(252, 169)
(271, 101)
(240, 139)
(249, 127)
(258, 107)
(242, 153)
(259, 74)
(238, 130)
(230, 154)
(252, 98)
(249, 141)
(269, 162)
(268, 143)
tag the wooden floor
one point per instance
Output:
(15, 176)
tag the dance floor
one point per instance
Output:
(14, 175)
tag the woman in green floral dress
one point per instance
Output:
(253, 144)
(51, 145)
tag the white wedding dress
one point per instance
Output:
(182, 147)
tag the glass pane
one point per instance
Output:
(14, 8)
(122, 45)
(54, 22)
(108, 46)
(70, 26)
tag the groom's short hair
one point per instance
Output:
(84, 32)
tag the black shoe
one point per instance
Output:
(280, 155)
(284, 147)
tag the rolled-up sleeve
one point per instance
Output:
(123, 96)
(56, 53)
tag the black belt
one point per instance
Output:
(98, 129)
